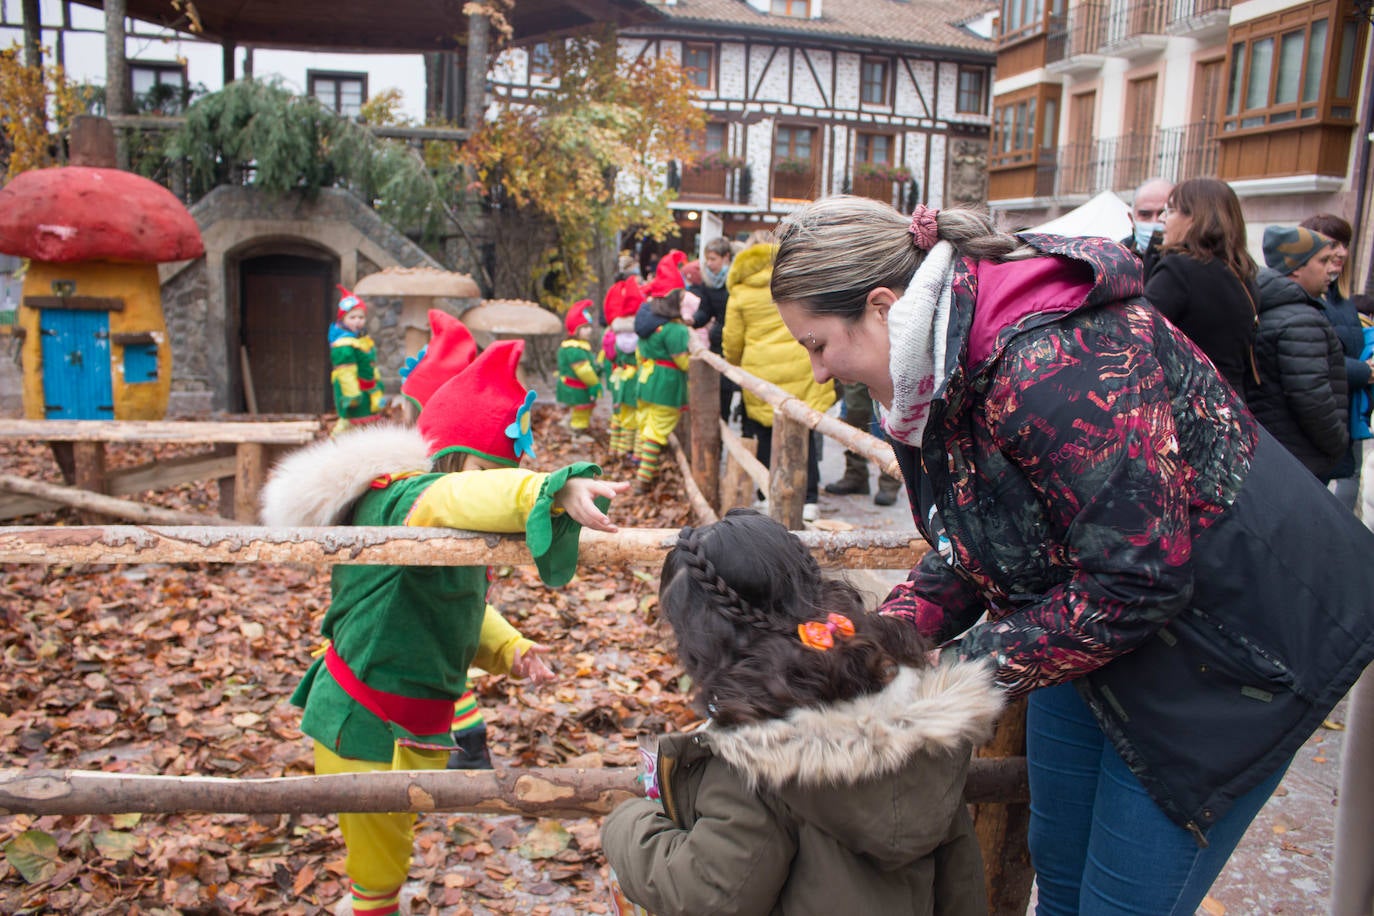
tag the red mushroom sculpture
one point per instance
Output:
(95, 339)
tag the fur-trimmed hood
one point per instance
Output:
(943, 708)
(318, 484)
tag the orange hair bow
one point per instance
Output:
(820, 635)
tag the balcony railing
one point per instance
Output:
(1184, 10)
(706, 183)
(1129, 22)
(882, 189)
(796, 185)
(1081, 31)
(1123, 163)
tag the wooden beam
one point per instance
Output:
(537, 791)
(703, 393)
(156, 475)
(703, 513)
(743, 456)
(61, 545)
(787, 471)
(250, 473)
(102, 505)
(78, 303)
(266, 432)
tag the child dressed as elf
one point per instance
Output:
(358, 395)
(663, 363)
(502, 650)
(400, 639)
(619, 346)
(578, 383)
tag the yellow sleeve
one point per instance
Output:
(586, 372)
(346, 374)
(682, 360)
(497, 500)
(499, 643)
(732, 334)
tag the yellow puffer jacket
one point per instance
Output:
(756, 340)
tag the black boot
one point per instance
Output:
(888, 488)
(855, 479)
(471, 752)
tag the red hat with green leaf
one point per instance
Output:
(450, 350)
(483, 410)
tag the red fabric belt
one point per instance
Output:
(575, 383)
(419, 717)
(666, 362)
(365, 385)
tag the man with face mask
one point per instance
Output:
(1147, 222)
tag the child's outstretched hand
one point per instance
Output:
(529, 666)
(577, 495)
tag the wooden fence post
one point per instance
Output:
(249, 477)
(90, 475)
(1002, 829)
(703, 394)
(787, 473)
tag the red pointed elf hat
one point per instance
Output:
(668, 274)
(349, 302)
(577, 316)
(450, 350)
(483, 410)
(622, 299)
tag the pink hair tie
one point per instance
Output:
(923, 227)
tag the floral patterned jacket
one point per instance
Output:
(1092, 485)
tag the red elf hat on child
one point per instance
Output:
(349, 302)
(577, 316)
(622, 299)
(667, 275)
(483, 410)
(450, 350)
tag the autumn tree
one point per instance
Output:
(586, 159)
(36, 106)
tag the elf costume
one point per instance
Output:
(450, 350)
(358, 394)
(578, 384)
(619, 347)
(399, 639)
(663, 360)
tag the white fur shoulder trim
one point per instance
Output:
(317, 484)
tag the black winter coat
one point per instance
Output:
(711, 311)
(1345, 320)
(1302, 394)
(1209, 303)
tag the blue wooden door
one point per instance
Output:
(76, 364)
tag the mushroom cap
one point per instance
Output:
(418, 281)
(77, 213)
(512, 316)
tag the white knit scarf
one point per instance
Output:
(917, 325)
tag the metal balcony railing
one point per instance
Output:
(1122, 163)
(1136, 19)
(1081, 30)
(1183, 10)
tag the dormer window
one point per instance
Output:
(798, 9)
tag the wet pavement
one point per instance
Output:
(1283, 864)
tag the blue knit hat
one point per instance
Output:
(1286, 248)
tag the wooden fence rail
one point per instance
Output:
(535, 791)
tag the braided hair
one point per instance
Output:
(735, 593)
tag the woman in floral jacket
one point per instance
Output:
(1182, 601)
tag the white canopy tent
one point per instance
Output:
(1105, 216)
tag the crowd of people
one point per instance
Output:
(1137, 463)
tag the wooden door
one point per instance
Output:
(1079, 159)
(287, 306)
(76, 364)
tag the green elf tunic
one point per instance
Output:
(663, 366)
(357, 391)
(401, 638)
(578, 384)
(625, 379)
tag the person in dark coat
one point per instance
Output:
(830, 776)
(710, 288)
(1204, 282)
(1178, 599)
(1345, 320)
(1301, 396)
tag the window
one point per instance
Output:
(794, 163)
(713, 138)
(873, 80)
(158, 87)
(794, 143)
(800, 9)
(1025, 124)
(972, 95)
(341, 93)
(1294, 66)
(541, 60)
(873, 149)
(1022, 17)
(699, 62)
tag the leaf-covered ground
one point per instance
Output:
(186, 670)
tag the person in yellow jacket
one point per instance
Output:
(756, 340)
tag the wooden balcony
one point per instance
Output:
(791, 185)
(705, 183)
(880, 189)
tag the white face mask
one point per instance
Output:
(1143, 231)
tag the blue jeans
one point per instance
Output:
(1098, 842)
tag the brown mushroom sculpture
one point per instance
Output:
(418, 288)
(95, 338)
